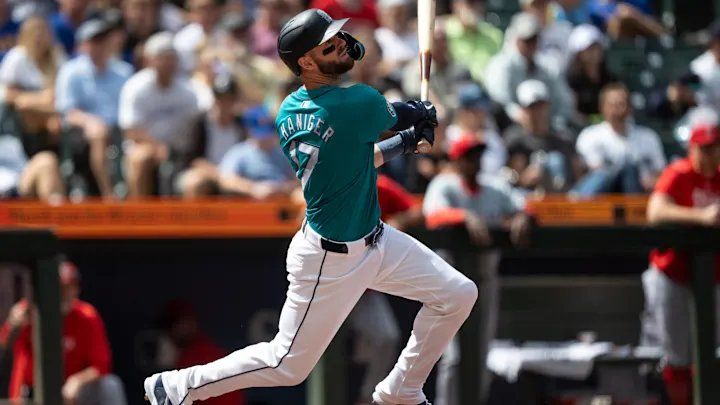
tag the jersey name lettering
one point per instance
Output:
(306, 122)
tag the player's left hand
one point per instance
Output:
(428, 110)
(355, 48)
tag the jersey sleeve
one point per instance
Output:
(373, 114)
(669, 183)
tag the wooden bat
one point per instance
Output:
(426, 29)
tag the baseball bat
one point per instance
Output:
(426, 28)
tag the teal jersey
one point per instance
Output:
(328, 134)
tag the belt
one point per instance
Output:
(344, 248)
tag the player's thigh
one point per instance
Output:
(411, 270)
(324, 287)
(669, 304)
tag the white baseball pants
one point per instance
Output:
(324, 287)
(666, 318)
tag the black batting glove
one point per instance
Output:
(426, 130)
(427, 111)
(355, 48)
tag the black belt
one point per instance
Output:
(338, 247)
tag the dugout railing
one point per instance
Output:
(39, 250)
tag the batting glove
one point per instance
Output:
(428, 111)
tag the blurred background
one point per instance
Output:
(143, 130)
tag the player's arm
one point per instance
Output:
(402, 143)
(663, 209)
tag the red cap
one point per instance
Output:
(69, 273)
(464, 144)
(704, 134)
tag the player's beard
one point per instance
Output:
(335, 68)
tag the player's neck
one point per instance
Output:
(313, 80)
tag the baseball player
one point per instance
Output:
(329, 134)
(688, 191)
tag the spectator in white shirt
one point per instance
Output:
(27, 75)
(553, 44)
(156, 104)
(620, 155)
(517, 63)
(707, 67)
(397, 40)
(203, 29)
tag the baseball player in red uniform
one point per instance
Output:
(86, 351)
(688, 192)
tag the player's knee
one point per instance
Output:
(465, 295)
(292, 376)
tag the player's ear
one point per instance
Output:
(306, 62)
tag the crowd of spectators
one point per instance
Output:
(124, 99)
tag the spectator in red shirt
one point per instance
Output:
(687, 192)
(86, 350)
(184, 345)
(360, 12)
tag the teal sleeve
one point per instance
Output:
(374, 115)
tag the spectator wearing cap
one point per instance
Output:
(257, 167)
(86, 350)
(27, 75)
(587, 72)
(397, 40)
(216, 132)
(67, 20)
(517, 63)
(471, 40)
(360, 12)
(463, 197)
(156, 105)
(553, 42)
(204, 16)
(87, 93)
(269, 18)
(471, 119)
(447, 73)
(620, 155)
(707, 67)
(540, 158)
(688, 193)
(37, 177)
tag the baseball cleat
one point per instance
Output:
(155, 391)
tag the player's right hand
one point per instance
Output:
(425, 130)
(710, 215)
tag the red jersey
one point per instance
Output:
(84, 344)
(202, 350)
(688, 188)
(393, 198)
(366, 14)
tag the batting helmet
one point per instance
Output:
(304, 32)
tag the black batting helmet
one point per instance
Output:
(304, 32)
